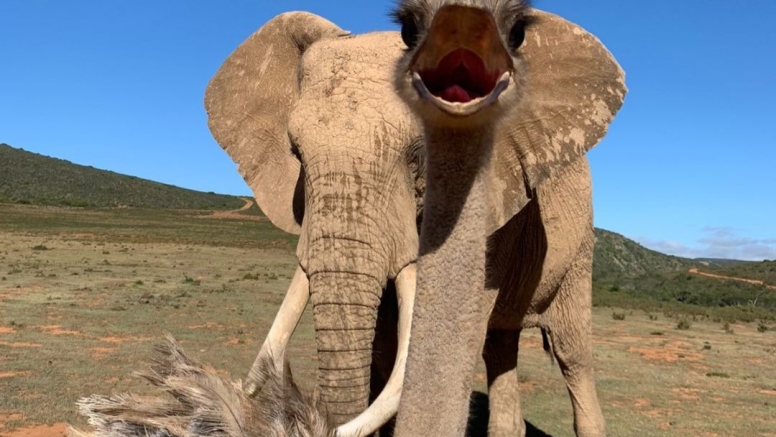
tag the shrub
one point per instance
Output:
(618, 316)
(191, 281)
(684, 324)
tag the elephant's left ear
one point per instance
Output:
(574, 89)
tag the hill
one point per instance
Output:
(624, 270)
(617, 257)
(30, 178)
(764, 271)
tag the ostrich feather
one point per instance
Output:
(196, 402)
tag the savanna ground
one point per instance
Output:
(85, 293)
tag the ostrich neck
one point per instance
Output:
(456, 194)
(451, 308)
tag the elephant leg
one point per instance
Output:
(500, 355)
(570, 329)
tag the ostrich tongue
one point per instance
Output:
(461, 76)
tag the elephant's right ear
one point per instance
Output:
(574, 89)
(249, 101)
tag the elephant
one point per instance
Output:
(312, 117)
(308, 113)
(509, 99)
(337, 146)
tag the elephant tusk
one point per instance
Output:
(274, 347)
(387, 403)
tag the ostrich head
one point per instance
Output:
(463, 57)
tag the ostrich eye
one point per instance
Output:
(517, 34)
(409, 32)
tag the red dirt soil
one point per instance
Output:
(57, 330)
(119, 340)
(5, 417)
(731, 278)
(55, 430)
(13, 374)
(671, 353)
(236, 214)
(99, 353)
(19, 344)
(208, 325)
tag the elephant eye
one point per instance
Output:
(409, 32)
(295, 151)
(517, 34)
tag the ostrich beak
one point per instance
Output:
(462, 66)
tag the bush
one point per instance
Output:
(618, 316)
(190, 281)
(684, 324)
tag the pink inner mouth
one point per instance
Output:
(460, 77)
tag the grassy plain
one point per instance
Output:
(85, 293)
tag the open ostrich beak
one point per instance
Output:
(462, 66)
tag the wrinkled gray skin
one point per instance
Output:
(310, 116)
(314, 122)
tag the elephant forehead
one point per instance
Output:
(347, 90)
(366, 61)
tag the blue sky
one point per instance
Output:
(689, 166)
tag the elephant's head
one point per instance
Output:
(310, 116)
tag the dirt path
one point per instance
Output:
(236, 213)
(731, 278)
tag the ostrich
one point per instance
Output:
(490, 106)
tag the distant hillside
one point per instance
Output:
(719, 262)
(31, 178)
(622, 266)
(764, 271)
(618, 257)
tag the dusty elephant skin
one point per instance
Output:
(510, 99)
(309, 115)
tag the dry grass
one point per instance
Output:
(79, 317)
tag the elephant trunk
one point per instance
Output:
(344, 250)
(345, 313)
